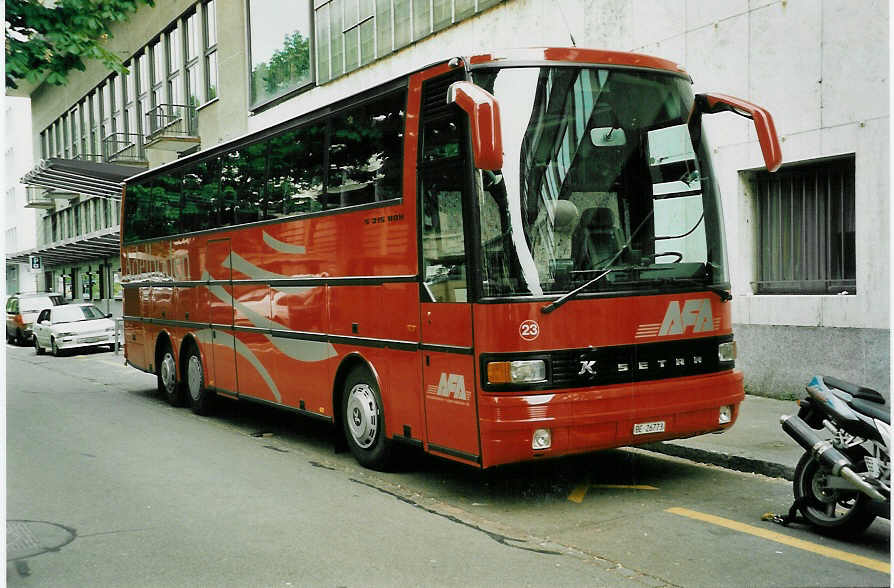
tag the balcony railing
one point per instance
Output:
(172, 127)
(124, 148)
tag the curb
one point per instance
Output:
(724, 460)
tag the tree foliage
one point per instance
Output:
(50, 38)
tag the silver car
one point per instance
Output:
(71, 326)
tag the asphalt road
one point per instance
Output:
(125, 490)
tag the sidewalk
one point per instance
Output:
(756, 443)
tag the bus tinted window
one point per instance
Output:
(244, 174)
(165, 206)
(365, 153)
(295, 178)
(231, 184)
(137, 208)
(200, 197)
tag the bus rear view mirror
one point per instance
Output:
(484, 120)
(608, 137)
(763, 122)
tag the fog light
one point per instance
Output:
(542, 439)
(727, 351)
(726, 414)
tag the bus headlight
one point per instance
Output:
(528, 371)
(727, 351)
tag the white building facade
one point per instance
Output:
(808, 246)
(19, 222)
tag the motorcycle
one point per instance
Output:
(843, 481)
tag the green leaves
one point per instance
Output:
(48, 42)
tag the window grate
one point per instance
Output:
(806, 229)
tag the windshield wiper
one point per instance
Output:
(566, 297)
(607, 270)
(723, 294)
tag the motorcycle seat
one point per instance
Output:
(871, 409)
(854, 390)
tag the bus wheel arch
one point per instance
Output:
(360, 411)
(166, 370)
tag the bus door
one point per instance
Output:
(448, 366)
(220, 315)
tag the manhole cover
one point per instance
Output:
(30, 538)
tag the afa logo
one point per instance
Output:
(452, 386)
(696, 313)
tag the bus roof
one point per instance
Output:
(534, 55)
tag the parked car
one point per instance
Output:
(22, 309)
(72, 326)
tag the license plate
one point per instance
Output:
(91, 339)
(646, 428)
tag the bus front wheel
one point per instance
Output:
(201, 399)
(363, 420)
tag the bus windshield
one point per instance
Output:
(600, 174)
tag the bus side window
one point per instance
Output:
(442, 189)
(199, 197)
(295, 176)
(365, 153)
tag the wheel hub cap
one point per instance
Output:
(364, 415)
(194, 375)
(168, 372)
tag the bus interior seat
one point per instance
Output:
(596, 239)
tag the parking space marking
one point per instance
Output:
(830, 552)
(577, 495)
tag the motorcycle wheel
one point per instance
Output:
(836, 512)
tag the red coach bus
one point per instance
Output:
(496, 258)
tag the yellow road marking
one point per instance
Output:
(577, 495)
(830, 552)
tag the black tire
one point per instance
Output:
(166, 375)
(201, 400)
(20, 337)
(53, 348)
(833, 511)
(363, 420)
(38, 350)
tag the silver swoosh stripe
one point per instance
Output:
(205, 336)
(249, 269)
(299, 350)
(282, 247)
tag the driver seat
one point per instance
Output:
(596, 239)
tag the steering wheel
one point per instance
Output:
(677, 254)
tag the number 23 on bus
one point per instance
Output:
(496, 258)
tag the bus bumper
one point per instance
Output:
(590, 419)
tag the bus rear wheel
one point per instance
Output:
(167, 377)
(363, 420)
(201, 399)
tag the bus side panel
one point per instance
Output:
(255, 356)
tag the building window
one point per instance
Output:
(11, 239)
(351, 33)
(279, 48)
(191, 27)
(174, 61)
(10, 203)
(210, 49)
(806, 229)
